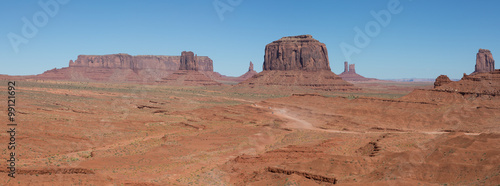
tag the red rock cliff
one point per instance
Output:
(187, 61)
(141, 62)
(484, 61)
(296, 53)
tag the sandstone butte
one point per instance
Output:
(296, 53)
(484, 61)
(350, 74)
(298, 61)
(188, 73)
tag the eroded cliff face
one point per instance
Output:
(188, 61)
(484, 61)
(296, 53)
(140, 62)
(298, 61)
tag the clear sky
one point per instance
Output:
(422, 39)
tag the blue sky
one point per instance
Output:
(423, 39)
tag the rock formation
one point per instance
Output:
(352, 69)
(188, 73)
(482, 84)
(250, 68)
(298, 61)
(350, 74)
(475, 87)
(140, 62)
(441, 80)
(248, 74)
(296, 53)
(484, 61)
(124, 68)
(187, 61)
(232, 80)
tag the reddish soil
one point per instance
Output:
(319, 80)
(189, 78)
(130, 134)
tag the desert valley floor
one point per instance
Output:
(132, 134)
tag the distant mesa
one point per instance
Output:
(350, 74)
(122, 68)
(484, 61)
(298, 61)
(140, 62)
(143, 69)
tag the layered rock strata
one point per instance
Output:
(298, 61)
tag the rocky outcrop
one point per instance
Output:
(250, 68)
(484, 61)
(296, 53)
(350, 74)
(441, 80)
(125, 68)
(187, 61)
(140, 62)
(232, 80)
(188, 73)
(474, 87)
(482, 84)
(298, 61)
(248, 74)
(352, 69)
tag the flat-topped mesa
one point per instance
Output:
(484, 61)
(187, 61)
(296, 53)
(140, 62)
